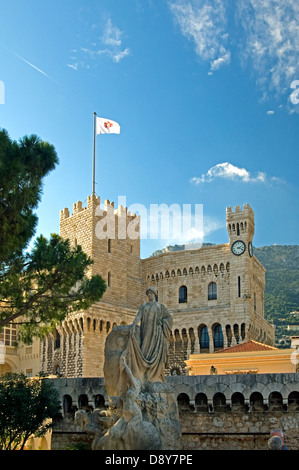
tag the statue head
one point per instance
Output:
(152, 293)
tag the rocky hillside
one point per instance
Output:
(282, 288)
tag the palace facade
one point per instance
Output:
(215, 293)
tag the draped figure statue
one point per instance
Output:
(147, 349)
(143, 412)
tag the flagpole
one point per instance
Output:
(94, 154)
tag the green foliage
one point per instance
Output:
(43, 286)
(282, 281)
(23, 165)
(27, 407)
(38, 287)
(282, 288)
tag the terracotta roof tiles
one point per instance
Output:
(247, 347)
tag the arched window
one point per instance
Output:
(201, 402)
(275, 401)
(99, 401)
(183, 401)
(83, 402)
(212, 291)
(218, 337)
(228, 331)
(219, 402)
(56, 340)
(204, 338)
(293, 401)
(67, 404)
(256, 401)
(238, 401)
(183, 294)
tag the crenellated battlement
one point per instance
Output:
(240, 222)
(246, 210)
(94, 202)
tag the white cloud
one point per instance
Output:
(268, 37)
(109, 44)
(271, 40)
(204, 22)
(73, 66)
(231, 172)
(112, 35)
(217, 63)
(117, 56)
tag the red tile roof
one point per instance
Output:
(247, 347)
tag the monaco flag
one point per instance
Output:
(106, 126)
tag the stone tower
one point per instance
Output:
(76, 349)
(247, 283)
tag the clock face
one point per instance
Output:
(238, 247)
(250, 249)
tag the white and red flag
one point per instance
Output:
(106, 126)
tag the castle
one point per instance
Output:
(214, 293)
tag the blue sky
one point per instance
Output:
(205, 92)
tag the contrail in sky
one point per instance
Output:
(26, 61)
(29, 63)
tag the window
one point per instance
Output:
(212, 291)
(239, 286)
(204, 338)
(99, 401)
(183, 294)
(109, 279)
(56, 340)
(8, 335)
(218, 337)
(67, 404)
(109, 245)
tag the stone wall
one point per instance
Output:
(216, 412)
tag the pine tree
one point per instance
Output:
(38, 288)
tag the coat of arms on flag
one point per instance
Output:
(106, 126)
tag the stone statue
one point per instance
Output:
(143, 412)
(147, 351)
(132, 431)
(97, 423)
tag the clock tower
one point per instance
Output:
(247, 283)
(240, 227)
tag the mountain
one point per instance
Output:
(282, 288)
(188, 246)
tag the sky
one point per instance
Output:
(206, 93)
